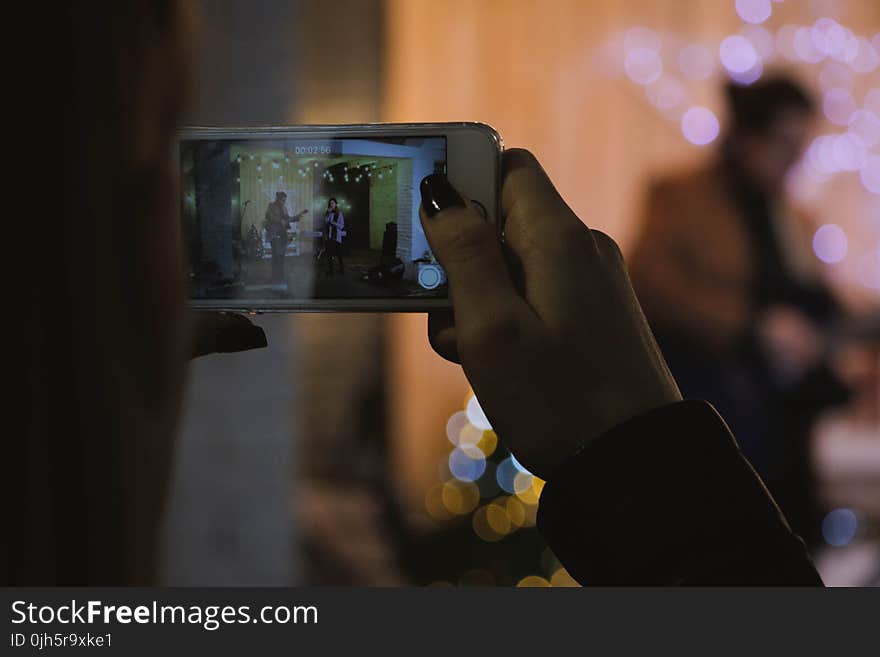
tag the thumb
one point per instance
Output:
(469, 249)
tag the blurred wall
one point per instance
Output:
(228, 521)
(549, 76)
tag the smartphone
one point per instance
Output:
(324, 217)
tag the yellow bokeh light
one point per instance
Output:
(496, 516)
(434, 503)
(460, 497)
(532, 493)
(532, 581)
(515, 511)
(477, 577)
(469, 435)
(488, 442)
(562, 578)
(483, 529)
(522, 481)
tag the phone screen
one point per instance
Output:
(302, 219)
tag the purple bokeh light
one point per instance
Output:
(865, 124)
(835, 75)
(696, 62)
(641, 37)
(829, 243)
(804, 46)
(754, 11)
(747, 77)
(869, 269)
(665, 93)
(839, 106)
(762, 40)
(866, 58)
(849, 152)
(785, 42)
(737, 54)
(643, 65)
(870, 174)
(872, 101)
(699, 125)
(820, 155)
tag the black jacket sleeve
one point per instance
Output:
(667, 498)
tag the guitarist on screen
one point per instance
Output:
(276, 224)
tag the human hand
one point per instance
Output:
(546, 325)
(220, 332)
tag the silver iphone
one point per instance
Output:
(324, 217)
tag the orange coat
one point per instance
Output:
(693, 267)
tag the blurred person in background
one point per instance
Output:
(723, 268)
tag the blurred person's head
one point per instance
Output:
(108, 336)
(769, 124)
(331, 204)
(280, 197)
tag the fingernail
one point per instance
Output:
(438, 194)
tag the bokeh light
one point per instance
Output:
(872, 101)
(696, 62)
(459, 497)
(839, 527)
(454, 425)
(829, 243)
(434, 503)
(477, 577)
(643, 65)
(866, 57)
(464, 466)
(469, 436)
(665, 93)
(747, 77)
(482, 528)
(754, 11)
(533, 581)
(699, 125)
(737, 54)
(488, 443)
(835, 75)
(804, 47)
(532, 494)
(866, 125)
(562, 578)
(785, 37)
(761, 38)
(869, 269)
(849, 151)
(507, 472)
(639, 37)
(839, 106)
(870, 174)
(476, 416)
(516, 511)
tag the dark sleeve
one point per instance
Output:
(667, 498)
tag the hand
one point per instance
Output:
(546, 325)
(219, 332)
